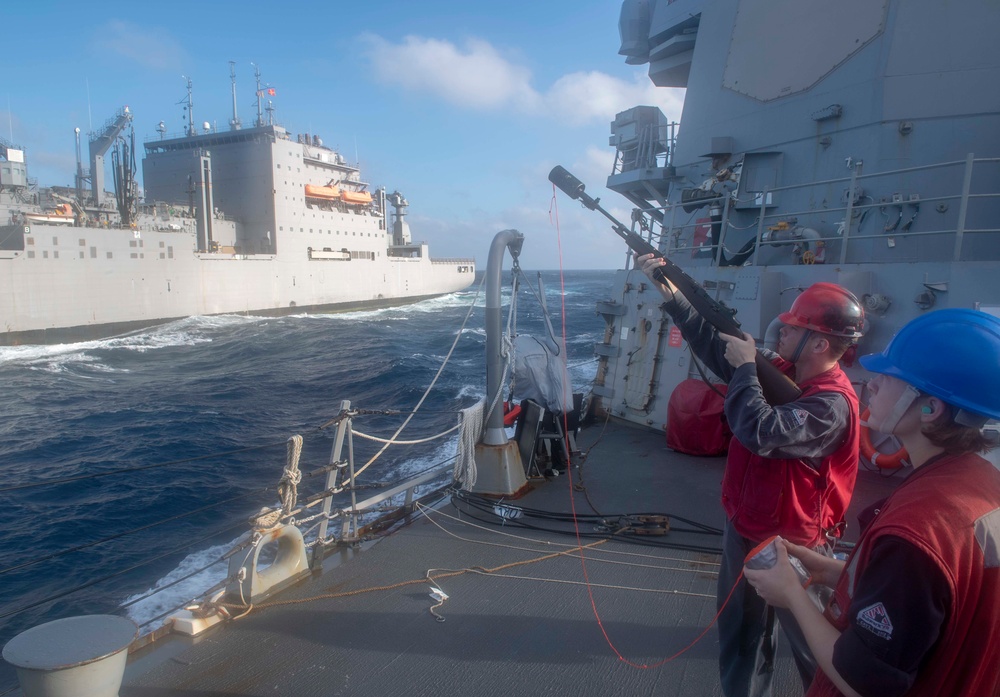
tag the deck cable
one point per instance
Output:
(616, 535)
(424, 509)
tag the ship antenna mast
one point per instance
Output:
(79, 167)
(260, 95)
(190, 106)
(235, 123)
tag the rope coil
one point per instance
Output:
(471, 421)
(288, 492)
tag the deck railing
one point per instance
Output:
(855, 210)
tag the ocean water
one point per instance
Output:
(200, 410)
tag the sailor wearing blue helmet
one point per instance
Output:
(916, 607)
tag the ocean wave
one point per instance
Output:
(147, 609)
(218, 385)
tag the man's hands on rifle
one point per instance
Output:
(739, 350)
(648, 263)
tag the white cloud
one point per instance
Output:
(474, 76)
(592, 96)
(477, 76)
(150, 47)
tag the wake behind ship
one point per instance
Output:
(250, 220)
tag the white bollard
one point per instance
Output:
(73, 657)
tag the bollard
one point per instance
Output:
(73, 657)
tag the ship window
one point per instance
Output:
(45, 254)
(30, 240)
(132, 243)
(81, 255)
(170, 252)
(83, 243)
(162, 244)
(281, 228)
(110, 255)
(55, 241)
(93, 252)
(55, 255)
(279, 165)
(133, 255)
(162, 255)
(31, 254)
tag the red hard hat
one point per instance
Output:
(827, 308)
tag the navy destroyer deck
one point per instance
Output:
(519, 619)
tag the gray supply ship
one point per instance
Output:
(856, 142)
(248, 220)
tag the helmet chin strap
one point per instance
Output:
(801, 346)
(910, 394)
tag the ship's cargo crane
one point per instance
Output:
(100, 142)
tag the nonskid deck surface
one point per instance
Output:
(521, 622)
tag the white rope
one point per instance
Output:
(458, 335)
(288, 492)
(471, 421)
(359, 434)
(288, 485)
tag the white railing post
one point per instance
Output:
(760, 226)
(849, 213)
(963, 207)
(335, 466)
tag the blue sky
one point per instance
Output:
(463, 107)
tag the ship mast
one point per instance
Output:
(235, 122)
(260, 95)
(190, 106)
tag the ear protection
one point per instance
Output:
(926, 410)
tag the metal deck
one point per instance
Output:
(518, 621)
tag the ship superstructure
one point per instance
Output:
(249, 220)
(853, 142)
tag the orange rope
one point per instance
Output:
(554, 217)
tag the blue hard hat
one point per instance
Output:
(952, 354)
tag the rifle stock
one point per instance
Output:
(777, 387)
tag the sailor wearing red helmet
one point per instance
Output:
(916, 607)
(791, 468)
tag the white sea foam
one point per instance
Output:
(189, 589)
(56, 357)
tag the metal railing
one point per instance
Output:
(855, 212)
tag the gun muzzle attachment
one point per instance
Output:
(570, 185)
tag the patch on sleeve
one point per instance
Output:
(799, 416)
(875, 619)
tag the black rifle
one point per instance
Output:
(778, 388)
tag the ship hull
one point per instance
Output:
(86, 283)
